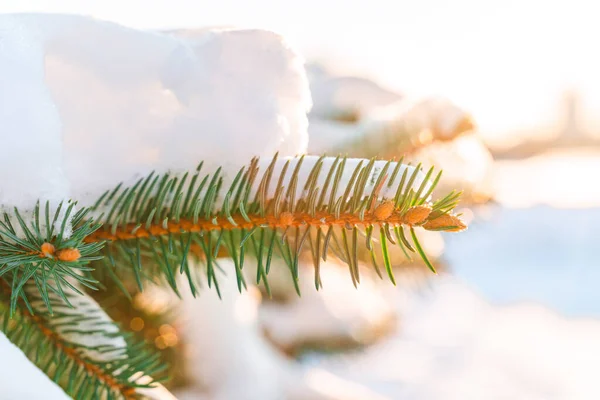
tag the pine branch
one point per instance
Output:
(77, 347)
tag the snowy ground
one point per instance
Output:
(540, 255)
(455, 345)
(518, 318)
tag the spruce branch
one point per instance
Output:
(280, 208)
(78, 348)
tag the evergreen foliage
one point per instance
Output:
(150, 231)
(76, 345)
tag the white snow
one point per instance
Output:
(334, 95)
(560, 179)
(229, 358)
(20, 379)
(32, 147)
(549, 265)
(437, 114)
(429, 117)
(130, 101)
(388, 190)
(157, 392)
(330, 136)
(467, 164)
(324, 315)
(379, 112)
(454, 345)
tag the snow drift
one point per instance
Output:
(96, 103)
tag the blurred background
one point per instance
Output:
(505, 97)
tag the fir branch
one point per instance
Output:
(77, 348)
(294, 204)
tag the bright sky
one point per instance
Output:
(507, 61)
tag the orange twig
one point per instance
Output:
(285, 220)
